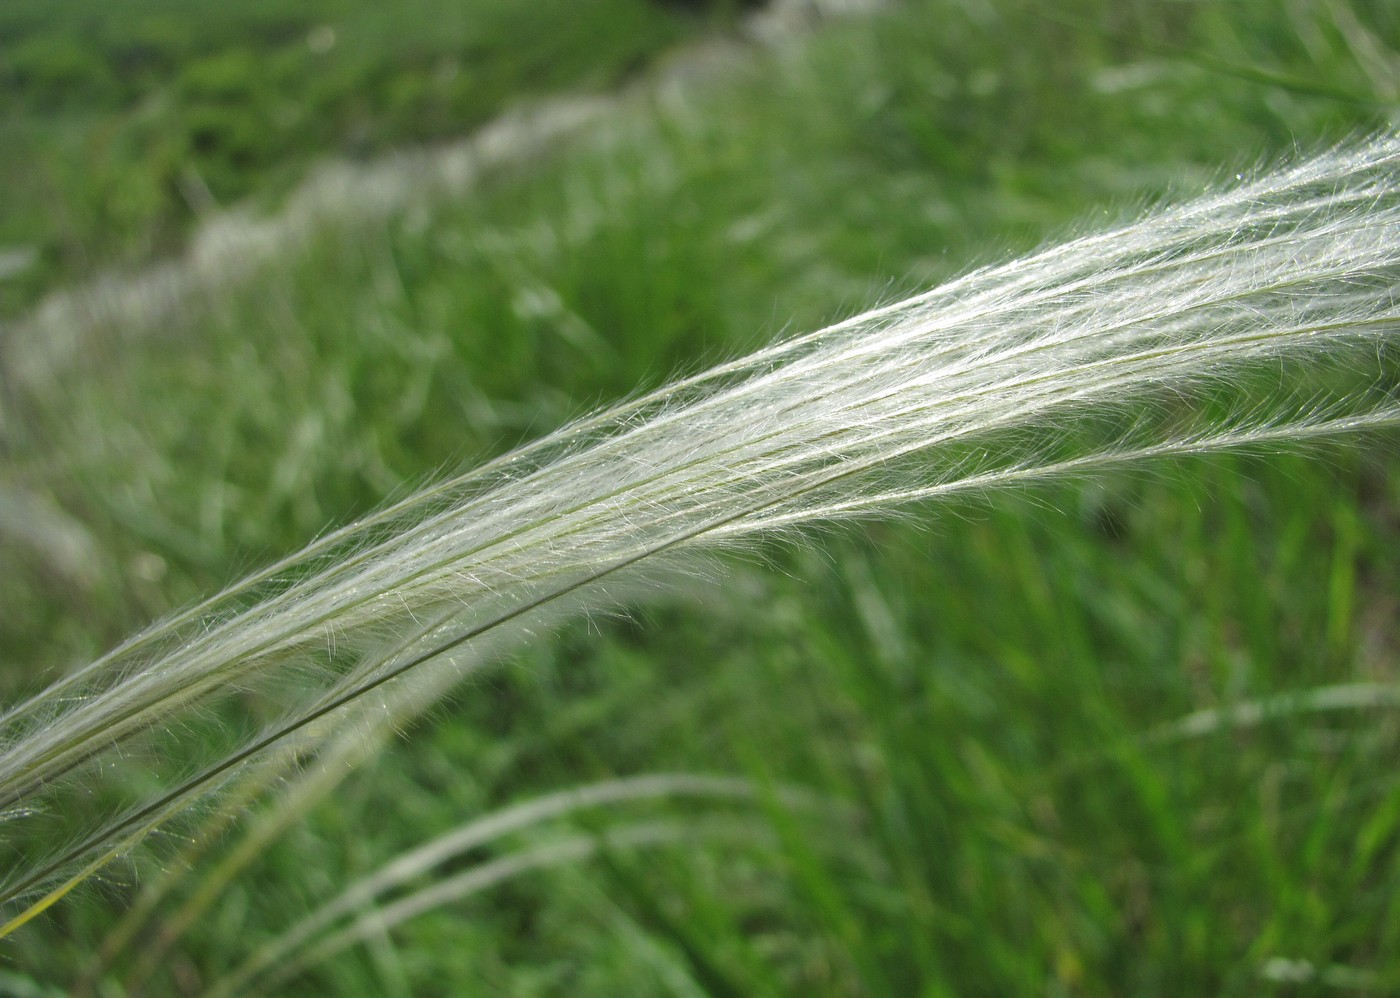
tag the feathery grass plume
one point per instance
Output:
(1261, 314)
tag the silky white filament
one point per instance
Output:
(1262, 313)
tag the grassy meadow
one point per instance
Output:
(1130, 735)
(148, 116)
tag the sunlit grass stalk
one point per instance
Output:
(457, 887)
(293, 946)
(1258, 315)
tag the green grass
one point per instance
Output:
(982, 681)
(121, 126)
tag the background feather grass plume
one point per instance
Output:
(1261, 314)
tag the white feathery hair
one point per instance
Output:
(1090, 353)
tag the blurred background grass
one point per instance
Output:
(988, 684)
(140, 118)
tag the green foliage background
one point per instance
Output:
(986, 683)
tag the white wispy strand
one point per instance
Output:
(1085, 354)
